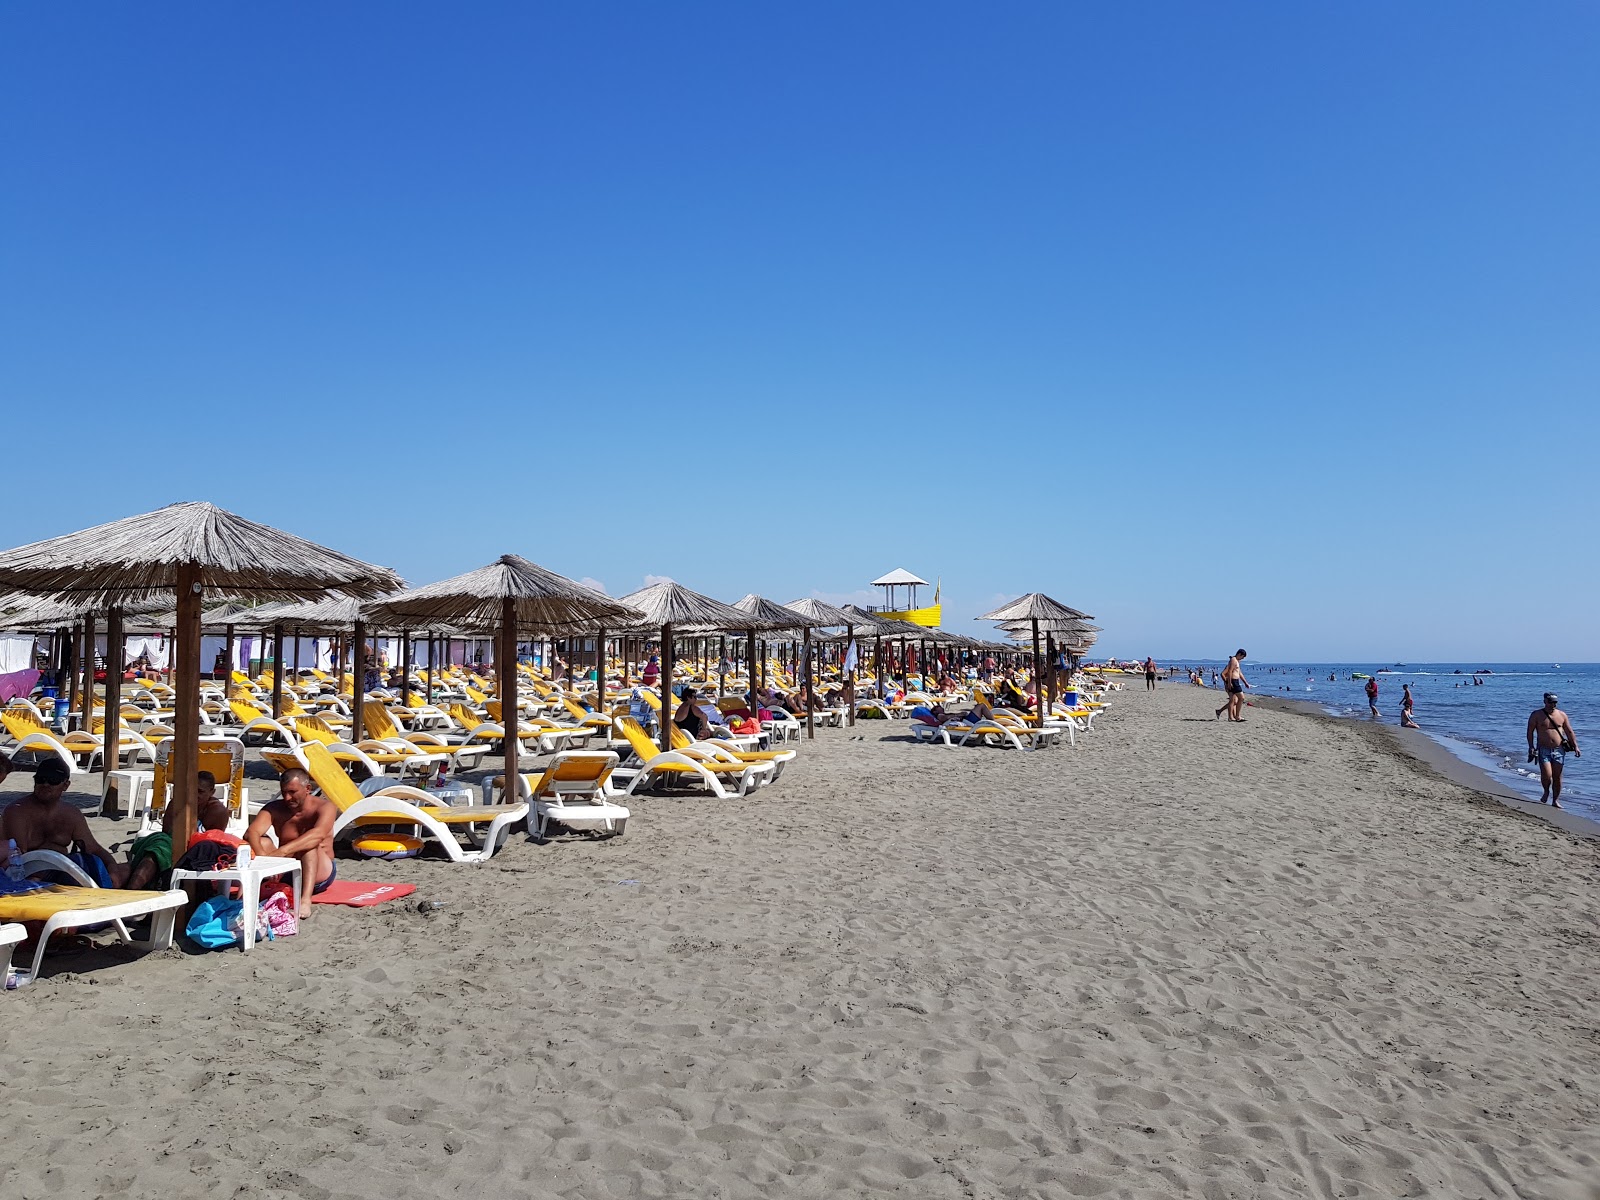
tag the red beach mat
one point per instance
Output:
(362, 895)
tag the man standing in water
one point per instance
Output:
(1372, 694)
(1234, 682)
(1550, 740)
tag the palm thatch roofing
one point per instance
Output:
(138, 558)
(36, 613)
(1035, 606)
(820, 612)
(767, 615)
(1062, 629)
(543, 601)
(670, 603)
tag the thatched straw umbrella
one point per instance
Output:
(508, 595)
(32, 613)
(1034, 608)
(764, 614)
(820, 612)
(674, 609)
(183, 550)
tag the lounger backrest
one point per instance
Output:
(244, 713)
(574, 773)
(223, 757)
(315, 729)
(329, 777)
(20, 723)
(464, 716)
(638, 740)
(378, 721)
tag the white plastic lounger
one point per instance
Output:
(62, 907)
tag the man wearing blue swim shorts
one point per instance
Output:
(1550, 740)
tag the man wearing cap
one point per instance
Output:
(1550, 740)
(39, 821)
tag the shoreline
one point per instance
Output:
(1425, 752)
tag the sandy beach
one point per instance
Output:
(1184, 959)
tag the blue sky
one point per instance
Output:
(1249, 323)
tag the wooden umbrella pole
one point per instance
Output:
(63, 662)
(750, 669)
(433, 668)
(666, 687)
(185, 761)
(277, 671)
(405, 667)
(111, 747)
(1038, 686)
(86, 722)
(1050, 670)
(722, 658)
(358, 679)
(510, 720)
(850, 675)
(227, 679)
(600, 676)
(811, 692)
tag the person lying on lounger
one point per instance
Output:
(39, 821)
(150, 857)
(302, 821)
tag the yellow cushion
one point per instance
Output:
(387, 845)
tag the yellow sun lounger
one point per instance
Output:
(575, 790)
(405, 805)
(689, 766)
(61, 907)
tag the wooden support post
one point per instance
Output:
(111, 747)
(405, 667)
(227, 678)
(277, 671)
(666, 687)
(600, 677)
(810, 692)
(358, 679)
(506, 676)
(184, 764)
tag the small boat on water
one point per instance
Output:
(1359, 675)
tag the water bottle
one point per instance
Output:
(241, 859)
(14, 862)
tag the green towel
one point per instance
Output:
(157, 846)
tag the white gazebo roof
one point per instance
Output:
(897, 578)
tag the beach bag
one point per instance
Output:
(216, 924)
(279, 915)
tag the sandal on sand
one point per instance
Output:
(70, 943)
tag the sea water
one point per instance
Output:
(1485, 724)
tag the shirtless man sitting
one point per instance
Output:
(39, 821)
(1550, 740)
(302, 821)
(150, 857)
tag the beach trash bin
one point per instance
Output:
(1070, 699)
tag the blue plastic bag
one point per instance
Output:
(212, 926)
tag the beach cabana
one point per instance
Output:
(508, 596)
(184, 552)
(674, 609)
